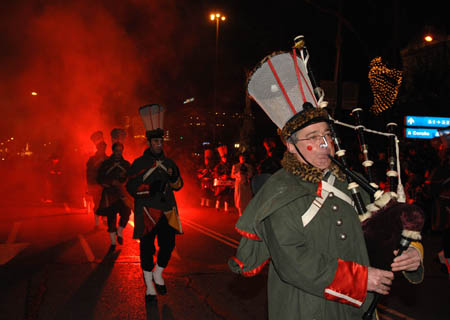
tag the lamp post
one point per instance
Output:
(217, 17)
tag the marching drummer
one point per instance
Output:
(223, 183)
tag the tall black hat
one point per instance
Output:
(97, 137)
(153, 117)
(118, 135)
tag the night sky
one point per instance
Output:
(92, 62)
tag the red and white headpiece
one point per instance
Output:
(282, 88)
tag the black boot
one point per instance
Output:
(151, 300)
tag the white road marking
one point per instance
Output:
(383, 316)
(207, 230)
(394, 312)
(67, 208)
(87, 249)
(13, 234)
(214, 235)
(10, 250)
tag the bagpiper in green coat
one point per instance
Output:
(315, 258)
(303, 221)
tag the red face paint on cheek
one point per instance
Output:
(309, 148)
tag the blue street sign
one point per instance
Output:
(432, 122)
(421, 133)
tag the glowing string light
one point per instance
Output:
(385, 84)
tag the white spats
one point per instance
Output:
(148, 276)
(157, 275)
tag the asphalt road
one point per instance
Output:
(53, 265)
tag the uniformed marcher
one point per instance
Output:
(92, 166)
(206, 176)
(152, 179)
(242, 173)
(302, 221)
(223, 183)
(112, 175)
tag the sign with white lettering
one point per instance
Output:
(431, 122)
(421, 133)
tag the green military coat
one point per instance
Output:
(303, 255)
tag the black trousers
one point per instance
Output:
(111, 212)
(166, 242)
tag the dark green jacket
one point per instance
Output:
(303, 259)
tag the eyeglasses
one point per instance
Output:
(317, 138)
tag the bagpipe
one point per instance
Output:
(387, 222)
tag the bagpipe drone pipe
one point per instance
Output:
(387, 222)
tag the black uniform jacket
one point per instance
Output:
(112, 170)
(152, 180)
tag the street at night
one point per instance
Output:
(224, 159)
(55, 266)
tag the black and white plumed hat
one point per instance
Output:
(153, 117)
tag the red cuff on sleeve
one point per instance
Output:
(249, 235)
(252, 272)
(349, 285)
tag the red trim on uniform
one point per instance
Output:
(143, 187)
(448, 266)
(349, 285)
(297, 71)
(142, 171)
(249, 235)
(239, 262)
(311, 92)
(252, 272)
(319, 189)
(281, 86)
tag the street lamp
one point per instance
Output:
(217, 17)
(428, 38)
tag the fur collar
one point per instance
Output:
(307, 172)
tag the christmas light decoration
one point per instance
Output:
(385, 84)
